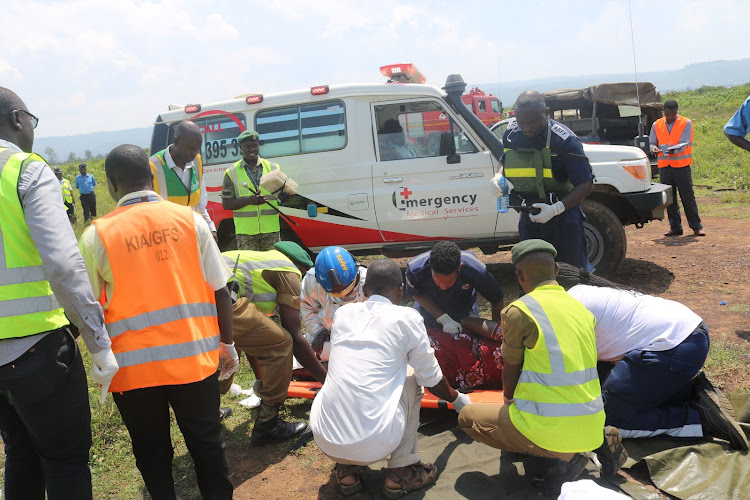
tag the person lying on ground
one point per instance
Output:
(368, 407)
(444, 283)
(650, 350)
(336, 280)
(267, 282)
(553, 406)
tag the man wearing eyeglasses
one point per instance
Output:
(44, 406)
(85, 183)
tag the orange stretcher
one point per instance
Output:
(308, 390)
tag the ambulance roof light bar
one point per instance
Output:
(192, 108)
(402, 73)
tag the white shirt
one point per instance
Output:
(186, 176)
(215, 270)
(627, 321)
(357, 415)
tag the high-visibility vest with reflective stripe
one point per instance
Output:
(558, 400)
(67, 190)
(663, 136)
(169, 185)
(162, 314)
(249, 275)
(27, 305)
(253, 219)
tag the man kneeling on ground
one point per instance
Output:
(268, 280)
(553, 403)
(368, 407)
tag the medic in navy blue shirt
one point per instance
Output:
(535, 142)
(444, 283)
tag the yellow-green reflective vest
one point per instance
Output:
(67, 190)
(169, 185)
(253, 219)
(27, 305)
(530, 171)
(558, 400)
(249, 274)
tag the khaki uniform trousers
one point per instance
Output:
(406, 451)
(490, 424)
(259, 336)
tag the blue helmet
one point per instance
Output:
(336, 270)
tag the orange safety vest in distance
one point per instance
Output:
(162, 314)
(682, 159)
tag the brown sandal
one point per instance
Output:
(344, 470)
(415, 476)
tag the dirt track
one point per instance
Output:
(700, 272)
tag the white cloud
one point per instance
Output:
(9, 72)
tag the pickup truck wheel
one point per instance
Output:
(606, 242)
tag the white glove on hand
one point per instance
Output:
(494, 183)
(547, 212)
(228, 360)
(103, 368)
(449, 324)
(461, 401)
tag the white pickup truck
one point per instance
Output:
(393, 168)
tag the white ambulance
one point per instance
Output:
(391, 168)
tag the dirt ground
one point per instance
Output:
(701, 272)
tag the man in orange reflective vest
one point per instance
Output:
(161, 281)
(672, 141)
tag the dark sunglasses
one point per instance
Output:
(34, 119)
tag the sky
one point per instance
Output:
(90, 65)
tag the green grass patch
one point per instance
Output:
(727, 362)
(740, 308)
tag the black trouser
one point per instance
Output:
(196, 408)
(71, 209)
(681, 180)
(88, 204)
(46, 422)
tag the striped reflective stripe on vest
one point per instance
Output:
(559, 377)
(28, 305)
(255, 213)
(161, 317)
(167, 352)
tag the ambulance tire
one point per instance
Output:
(288, 234)
(606, 242)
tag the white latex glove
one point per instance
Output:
(547, 212)
(103, 368)
(228, 360)
(496, 191)
(449, 324)
(461, 401)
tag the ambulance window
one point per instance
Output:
(412, 130)
(301, 129)
(219, 137)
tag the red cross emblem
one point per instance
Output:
(406, 193)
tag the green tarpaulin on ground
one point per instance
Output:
(687, 470)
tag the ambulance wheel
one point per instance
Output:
(606, 242)
(288, 234)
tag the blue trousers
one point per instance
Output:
(647, 392)
(565, 232)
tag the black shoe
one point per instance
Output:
(276, 430)
(561, 472)
(717, 414)
(611, 453)
(224, 413)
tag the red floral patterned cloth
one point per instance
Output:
(468, 361)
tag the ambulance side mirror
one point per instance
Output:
(448, 148)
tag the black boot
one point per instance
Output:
(560, 472)
(269, 428)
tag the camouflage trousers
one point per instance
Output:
(260, 242)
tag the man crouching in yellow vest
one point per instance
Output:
(553, 402)
(170, 323)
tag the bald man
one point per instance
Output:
(553, 403)
(534, 143)
(178, 171)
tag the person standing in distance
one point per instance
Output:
(162, 283)
(178, 171)
(255, 210)
(85, 183)
(67, 192)
(44, 405)
(738, 126)
(671, 140)
(545, 163)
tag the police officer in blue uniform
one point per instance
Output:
(550, 174)
(444, 283)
